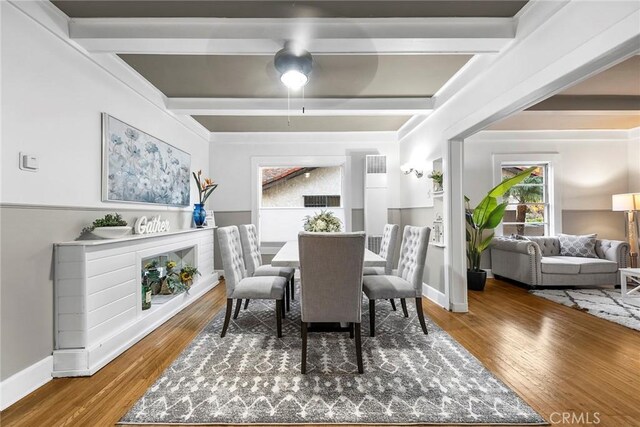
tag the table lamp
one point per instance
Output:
(629, 203)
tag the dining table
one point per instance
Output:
(289, 256)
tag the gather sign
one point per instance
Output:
(153, 225)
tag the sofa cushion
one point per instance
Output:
(578, 246)
(577, 265)
(559, 265)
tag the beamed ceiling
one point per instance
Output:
(288, 9)
(333, 76)
(376, 63)
(608, 100)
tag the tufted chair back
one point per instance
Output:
(549, 246)
(250, 247)
(388, 245)
(413, 254)
(231, 253)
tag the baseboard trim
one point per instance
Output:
(460, 307)
(489, 273)
(24, 382)
(435, 296)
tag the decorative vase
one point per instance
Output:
(199, 215)
(476, 280)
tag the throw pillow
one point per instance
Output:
(578, 246)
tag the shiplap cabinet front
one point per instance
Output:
(98, 300)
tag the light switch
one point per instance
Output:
(28, 162)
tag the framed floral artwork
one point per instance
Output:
(140, 168)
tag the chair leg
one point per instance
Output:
(279, 317)
(246, 303)
(293, 287)
(393, 304)
(227, 316)
(421, 315)
(372, 318)
(359, 348)
(287, 297)
(237, 311)
(404, 307)
(303, 365)
(351, 330)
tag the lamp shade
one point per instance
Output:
(625, 202)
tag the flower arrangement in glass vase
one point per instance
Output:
(323, 222)
(206, 186)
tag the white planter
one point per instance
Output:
(111, 232)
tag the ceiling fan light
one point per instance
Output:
(294, 79)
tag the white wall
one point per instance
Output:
(52, 100)
(231, 162)
(52, 97)
(634, 161)
(593, 166)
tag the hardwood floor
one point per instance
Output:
(558, 359)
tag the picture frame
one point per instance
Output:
(142, 169)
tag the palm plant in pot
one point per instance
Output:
(486, 216)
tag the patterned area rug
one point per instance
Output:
(604, 303)
(250, 376)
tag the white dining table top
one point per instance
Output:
(288, 256)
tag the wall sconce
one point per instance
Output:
(407, 169)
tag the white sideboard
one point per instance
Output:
(98, 298)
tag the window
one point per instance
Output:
(301, 187)
(529, 209)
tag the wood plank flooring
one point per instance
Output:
(559, 360)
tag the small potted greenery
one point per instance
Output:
(187, 274)
(323, 222)
(484, 217)
(176, 282)
(437, 178)
(108, 227)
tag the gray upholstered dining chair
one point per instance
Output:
(407, 283)
(387, 251)
(253, 262)
(240, 286)
(331, 284)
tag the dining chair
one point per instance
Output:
(407, 282)
(331, 284)
(387, 251)
(253, 262)
(240, 286)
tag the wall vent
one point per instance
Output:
(376, 164)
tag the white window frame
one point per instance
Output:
(308, 161)
(552, 180)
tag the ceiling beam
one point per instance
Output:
(265, 36)
(597, 103)
(312, 106)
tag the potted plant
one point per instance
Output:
(437, 178)
(323, 222)
(153, 276)
(205, 188)
(108, 227)
(486, 216)
(187, 273)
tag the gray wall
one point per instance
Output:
(27, 235)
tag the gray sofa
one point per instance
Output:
(536, 261)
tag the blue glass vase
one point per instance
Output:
(199, 215)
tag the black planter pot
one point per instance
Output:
(476, 280)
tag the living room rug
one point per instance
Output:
(604, 303)
(252, 377)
